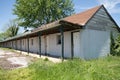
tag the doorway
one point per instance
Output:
(76, 44)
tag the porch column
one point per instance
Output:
(28, 44)
(62, 42)
(39, 35)
(20, 44)
(72, 45)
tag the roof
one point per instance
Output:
(83, 17)
(80, 19)
(47, 26)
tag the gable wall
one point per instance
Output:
(95, 38)
(102, 22)
(94, 43)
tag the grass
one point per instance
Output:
(7, 49)
(100, 69)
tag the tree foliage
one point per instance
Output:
(115, 45)
(12, 30)
(34, 13)
(2, 36)
(112, 44)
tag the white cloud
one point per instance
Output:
(111, 5)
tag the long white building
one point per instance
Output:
(85, 35)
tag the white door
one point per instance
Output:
(76, 44)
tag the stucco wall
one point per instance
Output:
(18, 44)
(35, 47)
(55, 49)
(93, 44)
(24, 44)
(52, 48)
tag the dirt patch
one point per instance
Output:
(12, 60)
(19, 60)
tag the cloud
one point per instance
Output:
(112, 5)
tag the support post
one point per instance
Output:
(39, 35)
(20, 46)
(72, 45)
(28, 44)
(62, 42)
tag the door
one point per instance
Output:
(76, 44)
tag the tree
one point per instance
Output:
(34, 13)
(12, 31)
(12, 28)
(2, 36)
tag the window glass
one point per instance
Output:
(58, 39)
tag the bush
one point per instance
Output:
(46, 59)
(115, 46)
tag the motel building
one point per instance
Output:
(85, 35)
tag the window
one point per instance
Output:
(58, 39)
(31, 41)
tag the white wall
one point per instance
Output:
(14, 44)
(24, 46)
(94, 43)
(35, 47)
(43, 44)
(18, 44)
(52, 47)
(55, 49)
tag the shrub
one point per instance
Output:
(46, 59)
(115, 46)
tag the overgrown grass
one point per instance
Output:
(100, 69)
(7, 49)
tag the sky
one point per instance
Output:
(113, 7)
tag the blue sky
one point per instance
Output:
(113, 7)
